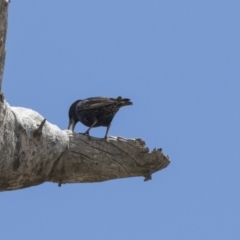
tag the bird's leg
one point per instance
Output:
(108, 126)
(94, 123)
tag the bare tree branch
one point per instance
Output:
(3, 34)
(34, 151)
(99, 160)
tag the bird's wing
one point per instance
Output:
(94, 102)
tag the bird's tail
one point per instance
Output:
(123, 101)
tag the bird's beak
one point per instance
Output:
(70, 123)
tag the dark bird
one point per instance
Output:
(95, 112)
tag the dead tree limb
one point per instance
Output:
(3, 35)
(34, 151)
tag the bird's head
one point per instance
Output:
(73, 119)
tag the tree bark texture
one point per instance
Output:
(3, 34)
(34, 151)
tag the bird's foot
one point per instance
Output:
(105, 137)
(86, 134)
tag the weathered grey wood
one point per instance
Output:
(30, 157)
(3, 34)
(33, 151)
(100, 159)
(27, 158)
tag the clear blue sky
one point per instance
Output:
(179, 62)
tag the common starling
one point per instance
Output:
(95, 112)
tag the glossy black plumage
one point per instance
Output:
(95, 112)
